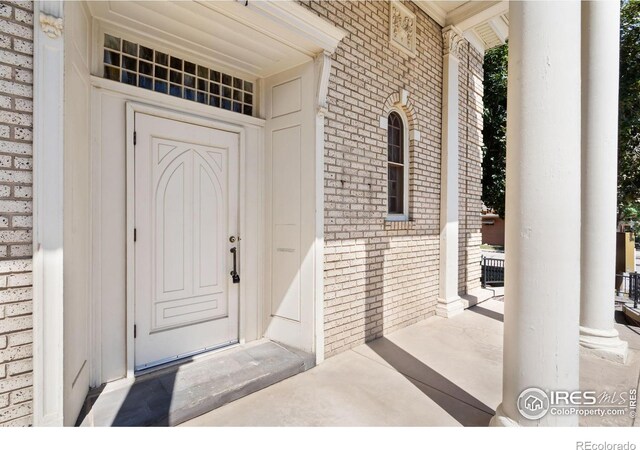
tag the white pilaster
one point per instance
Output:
(322, 73)
(542, 206)
(600, 60)
(449, 302)
(48, 363)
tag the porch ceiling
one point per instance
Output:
(257, 38)
(484, 23)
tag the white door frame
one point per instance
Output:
(132, 108)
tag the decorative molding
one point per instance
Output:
(402, 28)
(404, 97)
(300, 20)
(395, 101)
(51, 26)
(452, 40)
(474, 41)
(433, 10)
(323, 70)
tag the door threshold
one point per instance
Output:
(183, 359)
(188, 389)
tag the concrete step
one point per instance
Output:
(175, 394)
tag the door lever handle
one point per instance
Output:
(234, 273)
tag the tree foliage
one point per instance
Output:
(629, 114)
(495, 121)
(494, 149)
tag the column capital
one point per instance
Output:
(452, 40)
(51, 26)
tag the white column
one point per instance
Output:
(48, 194)
(542, 206)
(600, 44)
(449, 302)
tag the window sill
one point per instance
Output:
(397, 218)
(398, 222)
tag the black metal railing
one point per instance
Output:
(628, 285)
(492, 271)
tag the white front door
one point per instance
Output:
(186, 215)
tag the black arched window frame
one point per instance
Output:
(396, 165)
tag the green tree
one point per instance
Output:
(495, 120)
(629, 114)
(494, 149)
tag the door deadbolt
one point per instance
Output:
(232, 239)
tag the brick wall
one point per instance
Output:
(382, 276)
(379, 276)
(16, 63)
(471, 75)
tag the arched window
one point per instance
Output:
(397, 162)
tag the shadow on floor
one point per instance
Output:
(487, 312)
(457, 402)
(147, 401)
(92, 396)
(171, 395)
(620, 319)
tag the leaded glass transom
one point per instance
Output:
(138, 65)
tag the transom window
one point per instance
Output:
(397, 166)
(131, 63)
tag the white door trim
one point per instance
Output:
(132, 108)
(48, 188)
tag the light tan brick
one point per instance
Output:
(23, 16)
(22, 338)
(15, 412)
(6, 10)
(21, 395)
(18, 280)
(12, 324)
(20, 367)
(24, 421)
(382, 276)
(13, 383)
(16, 295)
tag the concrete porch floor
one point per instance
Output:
(439, 372)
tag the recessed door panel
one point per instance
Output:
(291, 283)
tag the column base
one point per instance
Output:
(605, 344)
(501, 419)
(449, 307)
